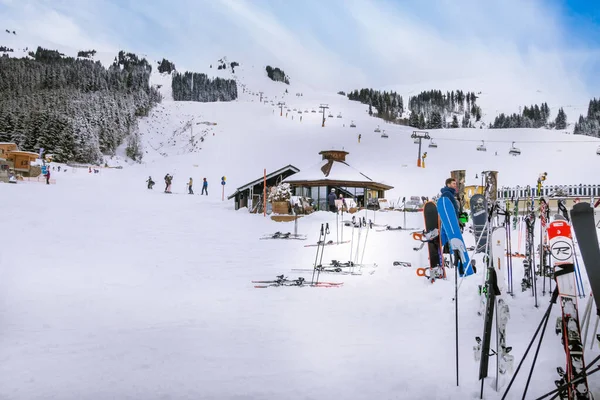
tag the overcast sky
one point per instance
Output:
(333, 44)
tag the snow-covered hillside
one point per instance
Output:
(111, 290)
(263, 135)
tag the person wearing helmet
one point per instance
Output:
(331, 201)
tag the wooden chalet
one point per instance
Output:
(333, 172)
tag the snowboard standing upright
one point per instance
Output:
(479, 217)
(582, 216)
(434, 244)
(561, 248)
(452, 231)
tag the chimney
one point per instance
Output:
(334, 155)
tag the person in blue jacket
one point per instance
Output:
(449, 191)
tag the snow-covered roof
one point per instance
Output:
(340, 171)
(332, 170)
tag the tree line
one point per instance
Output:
(534, 116)
(192, 86)
(388, 105)
(590, 124)
(74, 108)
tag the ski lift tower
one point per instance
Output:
(420, 135)
(281, 104)
(323, 107)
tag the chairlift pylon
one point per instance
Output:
(482, 147)
(514, 151)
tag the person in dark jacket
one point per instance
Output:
(204, 187)
(449, 191)
(331, 201)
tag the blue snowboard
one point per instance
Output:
(451, 231)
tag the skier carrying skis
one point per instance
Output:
(168, 181)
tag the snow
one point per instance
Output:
(111, 290)
(339, 171)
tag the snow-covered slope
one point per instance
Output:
(110, 290)
(262, 135)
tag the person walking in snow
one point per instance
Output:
(168, 182)
(190, 183)
(48, 176)
(204, 187)
(359, 136)
(150, 182)
(331, 201)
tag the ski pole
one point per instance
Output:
(369, 226)
(352, 240)
(337, 227)
(595, 330)
(317, 256)
(322, 251)
(585, 322)
(456, 309)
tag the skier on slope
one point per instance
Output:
(150, 182)
(190, 184)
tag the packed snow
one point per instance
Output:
(111, 290)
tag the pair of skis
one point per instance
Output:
(282, 280)
(284, 235)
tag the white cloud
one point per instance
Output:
(504, 45)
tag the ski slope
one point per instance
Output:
(110, 290)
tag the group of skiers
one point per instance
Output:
(169, 181)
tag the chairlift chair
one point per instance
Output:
(481, 147)
(306, 111)
(432, 144)
(514, 151)
(352, 124)
(314, 111)
(339, 115)
(330, 115)
(377, 129)
(416, 141)
(384, 135)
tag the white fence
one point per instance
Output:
(592, 191)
